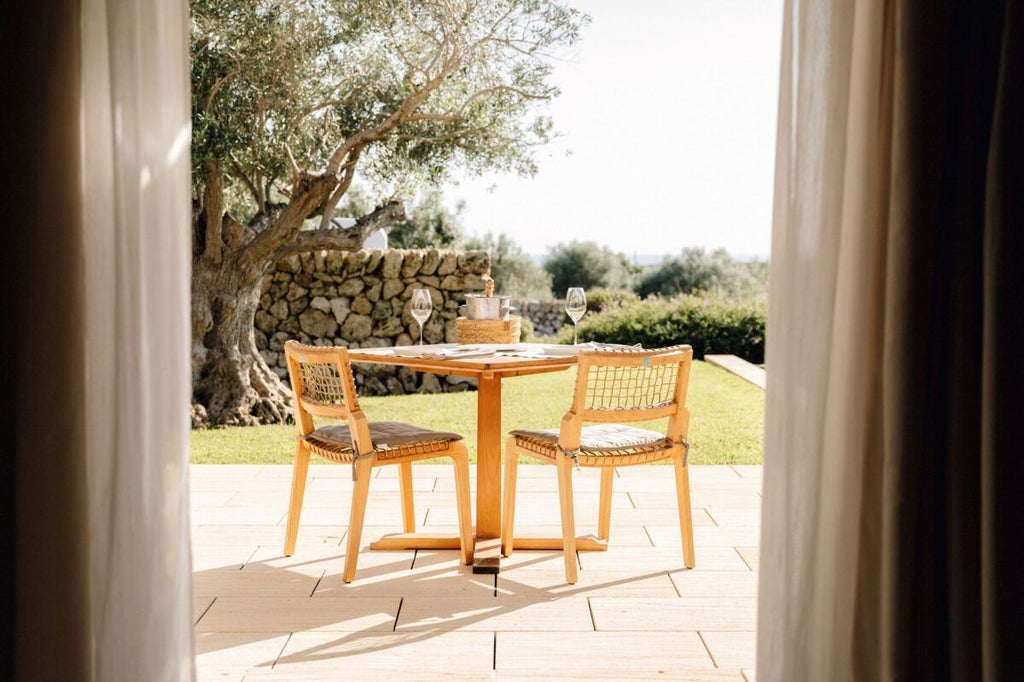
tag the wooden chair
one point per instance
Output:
(324, 387)
(612, 387)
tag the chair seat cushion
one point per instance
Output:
(385, 435)
(601, 437)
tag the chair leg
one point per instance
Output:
(405, 486)
(508, 512)
(300, 467)
(604, 519)
(685, 513)
(568, 522)
(460, 460)
(360, 493)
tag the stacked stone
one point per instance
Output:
(360, 299)
(547, 316)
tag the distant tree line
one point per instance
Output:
(695, 271)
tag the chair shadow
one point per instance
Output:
(397, 579)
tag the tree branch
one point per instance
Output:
(310, 192)
(322, 106)
(454, 135)
(217, 85)
(406, 109)
(249, 184)
(213, 204)
(346, 182)
(343, 239)
(296, 172)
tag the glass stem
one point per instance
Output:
(421, 333)
(575, 342)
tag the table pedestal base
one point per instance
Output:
(486, 551)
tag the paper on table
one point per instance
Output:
(594, 345)
(420, 351)
(561, 350)
(442, 351)
(455, 353)
(554, 349)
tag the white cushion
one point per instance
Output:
(600, 437)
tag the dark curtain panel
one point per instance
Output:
(1002, 459)
(951, 591)
(44, 587)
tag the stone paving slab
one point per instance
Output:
(740, 367)
(635, 614)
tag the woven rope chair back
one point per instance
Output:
(632, 385)
(322, 380)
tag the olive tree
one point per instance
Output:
(696, 271)
(587, 264)
(430, 224)
(513, 271)
(292, 99)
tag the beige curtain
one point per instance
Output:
(96, 580)
(889, 465)
(827, 256)
(135, 171)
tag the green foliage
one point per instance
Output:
(513, 272)
(430, 224)
(525, 330)
(712, 325)
(587, 265)
(406, 91)
(603, 300)
(696, 271)
(726, 424)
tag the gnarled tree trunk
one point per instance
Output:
(230, 379)
(231, 383)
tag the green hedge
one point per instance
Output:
(711, 325)
(603, 300)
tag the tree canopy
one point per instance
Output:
(587, 264)
(429, 224)
(292, 99)
(513, 272)
(697, 271)
(402, 91)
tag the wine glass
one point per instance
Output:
(575, 306)
(421, 307)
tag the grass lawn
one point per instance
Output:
(726, 422)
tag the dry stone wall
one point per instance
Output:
(547, 316)
(360, 299)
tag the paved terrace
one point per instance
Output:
(635, 613)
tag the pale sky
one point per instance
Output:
(668, 108)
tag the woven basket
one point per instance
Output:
(487, 331)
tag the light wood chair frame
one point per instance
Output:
(598, 398)
(336, 399)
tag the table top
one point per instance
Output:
(473, 359)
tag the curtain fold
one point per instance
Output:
(45, 552)
(890, 470)
(827, 256)
(135, 172)
(1002, 478)
(95, 574)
